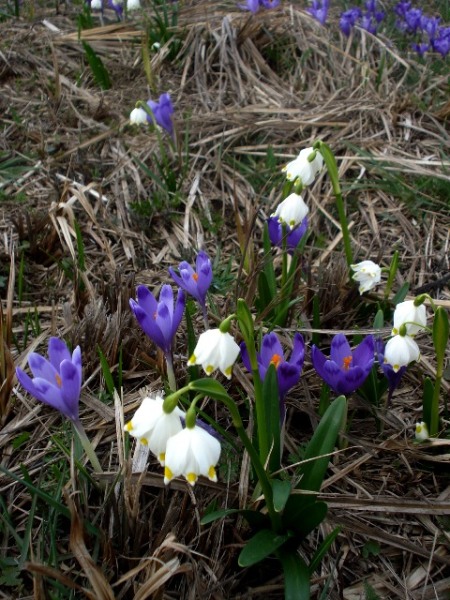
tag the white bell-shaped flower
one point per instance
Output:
(304, 169)
(413, 317)
(191, 453)
(291, 211)
(400, 351)
(133, 5)
(152, 426)
(138, 116)
(96, 5)
(215, 350)
(421, 433)
(367, 274)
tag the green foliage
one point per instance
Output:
(12, 167)
(98, 69)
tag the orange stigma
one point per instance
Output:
(195, 276)
(275, 360)
(58, 379)
(347, 362)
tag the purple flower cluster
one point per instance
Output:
(254, 5)
(368, 19)
(430, 35)
(319, 10)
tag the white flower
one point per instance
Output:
(191, 453)
(367, 274)
(304, 169)
(421, 433)
(413, 317)
(96, 5)
(292, 210)
(400, 351)
(215, 350)
(133, 4)
(154, 427)
(138, 116)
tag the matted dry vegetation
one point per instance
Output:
(242, 88)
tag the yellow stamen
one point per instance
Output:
(209, 369)
(347, 362)
(162, 458)
(144, 441)
(275, 360)
(228, 371)
(192, 360)
(212, 473)
(168, 473)
(192, 478)
(129, 426)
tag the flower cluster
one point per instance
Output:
(368, 19)
(410, 317)
(429, 35)
(116, 5)
(159, 113)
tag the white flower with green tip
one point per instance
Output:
(421, 433)
(215, 350)
(138, 116)
(413, 317)
(291, 211)
(400, 351)
(367, 274)
(303, 169)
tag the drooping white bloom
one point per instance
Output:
(421, 432)
(138, 116)
(215, 350)
(304, 169)
(154, 427)
(400, 351)
(192, 452)
(133, 5)
(96, 5)
(367, 274)
(291, 211)
(413, 317)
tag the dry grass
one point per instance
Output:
(241, 86)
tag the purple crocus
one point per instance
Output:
(283, 236)
(393, 377)
(251, 5)
(162, 112)
(319, 10)
(195, 282)
(348, 20)
(288, 371)
(56, 381)
(346, 370)
(159, 320)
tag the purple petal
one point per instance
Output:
(288, 376)
(351, 380)
(298, 351)
(270, 347)
(166, 298)
(179, 311)
(57, 352)
(148, 324)
(318, 359)
(70, 388)
(146, 300)
(245, 357)
(364, 353)
(340, 349)
(41, 367)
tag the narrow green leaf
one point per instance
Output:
(210, 387)
(253, 517)
(260, 546)
(80, 247)
(296, 575)
(106, 372)
(427, 401)
(281, 493)
(245, 321)
(323, 549)
(401, 294)
(378, 322)
(440, 333)
(268, 270)
(98, 69)
(272, 411)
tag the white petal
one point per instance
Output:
(138, 116)
(292, 210)
(413, 317)
(400, 351)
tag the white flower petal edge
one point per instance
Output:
(400, 351)
(292, 210)
(367, 274)
(133, 4)
(153, 427)
(421, 433)
(138, 116)
(191, 453)
(215, 350)
(302, 168)
(413, 317)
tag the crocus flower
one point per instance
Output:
(400, 351)
(291, 211)
(367, 274)
(305, 167)
(288, 371)
(319, 10)
(191, 452)
(251, 5)
(269, 3)
(348, 20)
(346, 370)
(215, 350)
(117, 6)
(162, 112)
(159, 320)
(195, 282)
(283, 236)
(153, 427)
(421, 432)
(138, 116)
(56, 381)
(413, 317)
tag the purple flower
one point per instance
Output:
(196, 283)
(421, 48)
(348, 20)
(413, 19)
(288, 371)
(319, 10)
(162, 112)
(282, 235)
(269, 3)
(430, 26)
(57, 381)
(346, 370)
(392, 376)
(441, 43)
(159, 320)
(251, 5)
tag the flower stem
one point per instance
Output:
(170, 372)
(87, 446)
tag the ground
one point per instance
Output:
(93, 206)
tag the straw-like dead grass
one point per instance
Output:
(242, 87)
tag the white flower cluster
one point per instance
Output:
(402, 349)
(189, 452)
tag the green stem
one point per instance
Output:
(171, 372)
(87, 446)
(434, 421)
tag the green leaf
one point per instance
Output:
(378, 322)
(427, 401)
(98, 69)
(245, 321)
(401, 294)
(302, 514)
(440, 333)
(281, 493)
(260, 546)
(272, 411)
(210, 387)
(253, 517)
(106, 372)
(296, 575)
(322, 442)
(323, 549)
